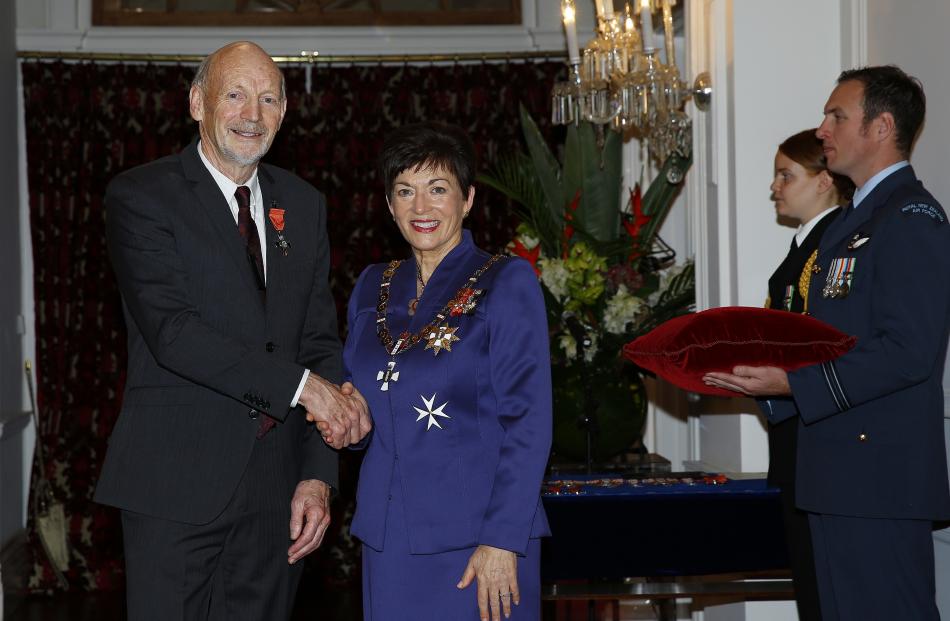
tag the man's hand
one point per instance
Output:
(340, 418)
(309, 518)
(752, 381)
(496, 573)
(359, 427)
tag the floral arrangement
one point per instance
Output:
(602, 268)
(606, 275)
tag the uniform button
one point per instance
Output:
(863, 437)
(270, 347)
(252, 414)
(816, 269)
(390, 496)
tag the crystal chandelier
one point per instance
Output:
(621, 82)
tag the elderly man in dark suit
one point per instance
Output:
(222, 264)
(872, 467)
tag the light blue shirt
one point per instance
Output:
(861, 193)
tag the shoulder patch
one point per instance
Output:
(924, 209)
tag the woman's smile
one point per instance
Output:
(424, 226)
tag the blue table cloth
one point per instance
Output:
(663, 530)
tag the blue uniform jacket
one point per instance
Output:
(474, 475)
(871, 428)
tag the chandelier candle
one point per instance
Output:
(570, 30)
(646, 24)
(668, 35)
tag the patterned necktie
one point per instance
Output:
(252, 242)
(248, 231)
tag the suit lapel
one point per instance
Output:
(214, 205)
(275, 256)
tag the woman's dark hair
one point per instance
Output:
(805, 148)
(888, 89)
(428, 145)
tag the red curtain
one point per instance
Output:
(85, 122)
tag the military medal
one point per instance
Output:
(788, 297)
(437, 333)
(276, 217)
(840, 276)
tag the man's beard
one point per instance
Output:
(246, 160)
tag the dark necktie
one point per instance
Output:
(252, 242)
(248, 231)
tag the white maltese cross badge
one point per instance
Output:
(433, 415)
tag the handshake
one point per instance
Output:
(340, 412)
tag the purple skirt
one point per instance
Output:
(399, 585)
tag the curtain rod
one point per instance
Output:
(303, 58)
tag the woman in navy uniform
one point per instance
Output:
(805, 191)
(450, 348)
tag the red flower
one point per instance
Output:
(635, 222)
(531, 255)
(568, 218)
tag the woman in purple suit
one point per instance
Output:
(450, 348)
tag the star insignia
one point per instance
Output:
(432, 414)
(441, 338)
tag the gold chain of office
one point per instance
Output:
(462, 302)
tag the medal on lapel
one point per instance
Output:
(437, 333)
(788, 297)
(276, 217)
(840, 276)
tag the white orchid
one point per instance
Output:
(554, 275)
(622, 309)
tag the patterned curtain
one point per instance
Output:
(86, 122)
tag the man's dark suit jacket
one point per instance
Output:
(206, 355)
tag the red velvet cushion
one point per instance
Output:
(682, 350)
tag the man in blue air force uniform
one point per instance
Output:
(872, 468)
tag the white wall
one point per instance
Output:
(768, 85)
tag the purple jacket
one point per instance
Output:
(471, 470)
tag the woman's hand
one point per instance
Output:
(496, 572)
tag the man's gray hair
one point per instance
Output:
(200, 81)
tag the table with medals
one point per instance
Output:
(663, 536)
